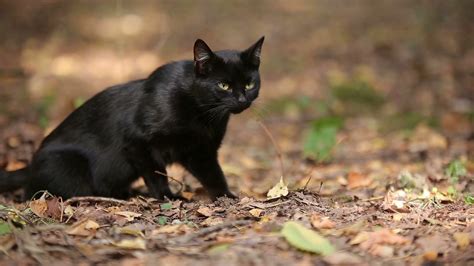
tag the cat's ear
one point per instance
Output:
(202, 55)
(252, 54)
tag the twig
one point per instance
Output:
(275, 145)
(96, 199)
(181, 185)
(307, 182)
(208, 230)
(373, 198)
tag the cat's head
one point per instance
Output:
(229, 79)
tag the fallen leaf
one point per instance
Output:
(136, 243)
(395, 201)
(217, 249)
(256, 212)
(54, 209)
(382, 251)
(129, 230)
(91, 225)
(354, 228)
(39, 206)
(279, 190)
(342, 258)
(83, 228)
(356, 180)
(433, 244)
(171, 229)
(359, 238)
(69, 211)
(377, 242)
(162, 220)
(319, 222)
(205, 211)
(15, 165)
(430, 256)
(4, 228)
(130, 216)
(306, 239)
(211, 221)
(187, 195)
(462, 239)
(166, 206)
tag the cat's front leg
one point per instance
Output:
(208, 171)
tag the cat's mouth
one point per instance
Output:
(240, 108)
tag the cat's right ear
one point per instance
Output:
(202, 55)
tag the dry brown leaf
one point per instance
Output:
(39, 207)
(171, 229)
(15, 165)
(359, 238)
(187, 195)
(435, 243)
(356, 180)
(129, 216)
(136, 243)
(83, 228)
(54, 208)
(462, 239)
(377, 243)
(256, 212)
(319, 222)
(354, 228)
(211, 221)
(382, 251)
(342, 258)
(205, 211)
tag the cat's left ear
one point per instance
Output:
(252, 54)
(202, 55)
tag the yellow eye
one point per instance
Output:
(249, 86)
(223, 86)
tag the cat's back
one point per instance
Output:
(100, 115)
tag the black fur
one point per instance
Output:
(178, 114)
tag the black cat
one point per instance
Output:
(178, 114)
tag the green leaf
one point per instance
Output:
(166, 206)
(321, 138)
(162, 220)
(217, 249)
(454, 170)
(4, 228)
(469, 199)
(306, 239)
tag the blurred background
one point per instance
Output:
(355, 84)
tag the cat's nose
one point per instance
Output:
(242, 98)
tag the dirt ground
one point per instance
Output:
(396, 186)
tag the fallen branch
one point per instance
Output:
(208, 230)
(96, 199)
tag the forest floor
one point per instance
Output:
(396, 200)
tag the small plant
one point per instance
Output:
(454, 170)
(357, 95)
(321, 138)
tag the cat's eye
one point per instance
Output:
(249, 85)
(223, 86)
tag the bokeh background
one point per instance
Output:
(344, 82)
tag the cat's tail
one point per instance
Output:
(10, 181)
